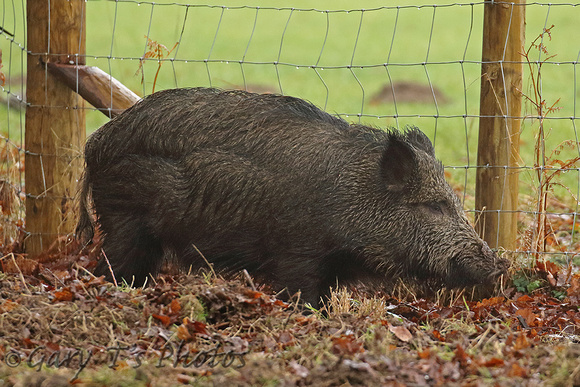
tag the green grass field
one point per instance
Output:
(336, 60)
(333, 59)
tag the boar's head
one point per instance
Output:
(425, 231)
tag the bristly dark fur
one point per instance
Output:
(276, 186)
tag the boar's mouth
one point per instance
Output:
(482, 276)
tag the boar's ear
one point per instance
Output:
(419, 140)
(398, 163)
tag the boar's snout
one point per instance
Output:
(481, 266)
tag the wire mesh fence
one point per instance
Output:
(379, 65)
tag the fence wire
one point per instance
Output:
(383, 66)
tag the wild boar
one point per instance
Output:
(272, 184)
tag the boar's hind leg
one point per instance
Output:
(131, 251)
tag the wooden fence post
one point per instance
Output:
(496, 194)
(55, 120)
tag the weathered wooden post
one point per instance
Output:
(55, 120)
(496, 194)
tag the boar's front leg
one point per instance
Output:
(316, 273)
(133, 254)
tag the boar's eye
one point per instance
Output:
(436, 208)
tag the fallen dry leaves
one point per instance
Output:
(207, 330)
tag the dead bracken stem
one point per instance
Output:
(206, 261)
(158, 51)
(547, 167)
(79, 267)
(20, 273)
(11, 256)
(248, 279)
(110, 268)
(56, 277)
